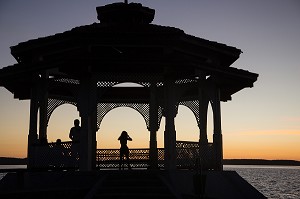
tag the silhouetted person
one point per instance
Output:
(124, 151)
(75, 137)
(59, 154)
(75, 131)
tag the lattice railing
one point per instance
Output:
(56, 155)
(187, 154)
(207, 156)
(110, 158)
(64, 155)
(138, 158)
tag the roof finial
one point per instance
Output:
(126, 1)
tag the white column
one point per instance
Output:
(170, 132)
(87, 107)
(217, 137)
(203, 105)
(153, 127)
(32, 135)
(43, 103)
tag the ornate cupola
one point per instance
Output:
(117, 13)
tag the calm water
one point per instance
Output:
(10, 167)
(275, 182)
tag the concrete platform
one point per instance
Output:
(181, 184)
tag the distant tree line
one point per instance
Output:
(13, 161)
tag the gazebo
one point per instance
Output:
(82, 65)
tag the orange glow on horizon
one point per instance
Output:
(262, 145)
(242, 146)
(271, 144)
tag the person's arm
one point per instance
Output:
(129, 138)
(71, 135)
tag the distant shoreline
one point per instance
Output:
(12, 161)
(261, 162)
(23, 161)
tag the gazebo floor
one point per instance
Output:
(136, 183)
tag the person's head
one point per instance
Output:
(124, 133)
(76, 122)
(58, 141)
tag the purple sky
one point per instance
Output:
(268, 33)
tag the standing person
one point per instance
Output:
(124, 148)
(75, 137)
(75, 131)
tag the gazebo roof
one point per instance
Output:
(123, 46)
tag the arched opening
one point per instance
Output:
(123, 119)
(61, 122)
(186, 125)
(118, 120)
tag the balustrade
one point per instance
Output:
(63, 156)
(56, 155)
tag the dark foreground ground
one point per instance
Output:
(127, 184)
(23, 161)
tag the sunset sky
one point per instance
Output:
(259, 122)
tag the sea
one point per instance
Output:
(275, 182)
